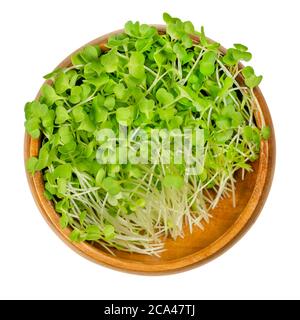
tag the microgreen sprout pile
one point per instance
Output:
(144, 80)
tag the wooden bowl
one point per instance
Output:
(224, 229)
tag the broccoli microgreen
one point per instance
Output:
(152, 81)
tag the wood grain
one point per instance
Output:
(224, 229)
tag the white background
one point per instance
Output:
(35, 264)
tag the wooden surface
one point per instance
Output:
(224, 229)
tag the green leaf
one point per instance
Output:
(90, 53)
(240, 47)
(41, 110)
(62, 206)
(101, 114)
(173, 181)
(109, 232)
(187, 41)
(99, 81)
(147, 31)
(61, 186)
(28, 109)
(176, 29)
(99, 177)
(43, 157)
(92, 71)
(222, 137)
(251, 134)
(85, 91)
(248, 72)
(89, 149)
(125, 115)
(241, 55)
(132, 29)
(223, 123)
(202, 38)
(265, 133)
(111, 186)
(120, 91)
(35, 109)
(50, 188)
(31, 164)
(63, 171)
(110, 102)
(65, 134)
(48, 119)
(251, 80)
(64, 220)
(82, 217)
(189, 27)
(61, 115)
(68, 148)
(167, 18)
(234, 55)
(48, 195)
(49, 94)
(109, 86)
(235, 118)
(146, 106)
(75, 235)
(110, 62)
(118, 40)
(164, 97)
(76, 59)
(98, 101)
(78, 114)
(143, 45)
(228, 59)
(180, 51)
(61, 83)
(87, 125)
(32, 127)
(166, 114)
(207, 63)
(159, 58)
(53, 74)
(134, 171)
(136, 65)
(93, 233)
(175, 122)
(227, 84)
(75, 96)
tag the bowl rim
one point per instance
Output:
(242, 224)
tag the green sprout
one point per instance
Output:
(152, 81)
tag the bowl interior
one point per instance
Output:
(227, 224)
